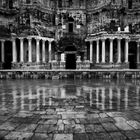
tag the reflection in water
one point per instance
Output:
(32, 95)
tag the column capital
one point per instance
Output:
(103, 39)
(138, 44)
(119, 39)
(37, 39)
(91, 41)
(2, 40)
(111, 39)
(29, 38)
(21, 38)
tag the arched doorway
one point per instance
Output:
(133, 55)
(70, 52)
(8, 55)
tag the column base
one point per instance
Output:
(138, 65)
(30, 65)
(1, 65)
(110, 66)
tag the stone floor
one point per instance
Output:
(32, 110)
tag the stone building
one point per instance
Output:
(69, 34)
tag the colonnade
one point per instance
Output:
(30, 49)
(110, 48)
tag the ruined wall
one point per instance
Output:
(71, 4)
(93, 4)
(77, 18)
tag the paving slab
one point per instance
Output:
(63, 137)
(18, 136)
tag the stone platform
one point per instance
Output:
(70, 74)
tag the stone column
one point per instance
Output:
(21, 50)
(138, 52)
(119, 51)
(37, 51)
(43, 51)
(91, 51)
(111, 50)
(2, 51)
(30, 50)
(103, 51)
(97, 51)
(14, 51)
(50, 51)
(126, 50)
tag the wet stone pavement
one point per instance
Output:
(69, 110)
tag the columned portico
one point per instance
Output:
(114, 51)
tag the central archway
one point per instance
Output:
(70, 52)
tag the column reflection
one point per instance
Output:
(102, 97)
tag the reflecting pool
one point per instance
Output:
(99, 95)
(57, 110)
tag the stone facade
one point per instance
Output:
(69, 34)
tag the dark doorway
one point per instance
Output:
(70, 27)
(71, 61)
(132, 55)
(8, 55)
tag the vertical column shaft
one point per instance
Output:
(97, 51)
(21, 51)
(111, 51)
(91, 51)
(103, 51)
(30, 50)
(119, 51)
(43, 51)
(14, 51)
(37, 51)
(126, 50)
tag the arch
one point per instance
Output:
(70, 48)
